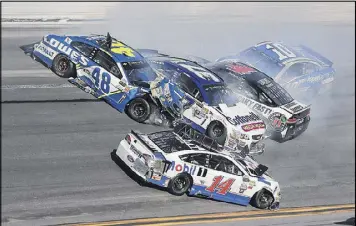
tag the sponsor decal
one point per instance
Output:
(122, 83)
(278, 121)
(237, 120)
(86, 71)
(183, 168)
(241, 69)
(45, 50)
(255, 106)
(121, 99)
(243, 188)
(74, 55)
(156, 176)
(130, 158)
(68, 40)
(253, 126)
(297, 108)
(135, 151)
(291, 104)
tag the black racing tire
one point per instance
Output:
(217, 131)
(63, 67)
(139, 110)
(263, 199)
(180, 184)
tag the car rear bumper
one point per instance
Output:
(293, 131)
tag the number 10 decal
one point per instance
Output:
(221, 188)
(105, 81)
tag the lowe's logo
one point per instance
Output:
(74, 55)
(237, 120)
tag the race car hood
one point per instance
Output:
(240, 116)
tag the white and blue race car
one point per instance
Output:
(186, 91)
(100, 65)
(190, 163)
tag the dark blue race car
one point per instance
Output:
(102, 66)
(298, 69)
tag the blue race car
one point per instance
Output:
(299, 69)
(102, 66)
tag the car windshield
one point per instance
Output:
(219, 94)
(139, 71)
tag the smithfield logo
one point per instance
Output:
(74, 55)
(237, 120)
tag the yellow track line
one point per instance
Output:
(214, 215)
(241, 219)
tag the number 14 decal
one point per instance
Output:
(220, 187)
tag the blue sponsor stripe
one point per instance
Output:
(263, 180)
(229, 197)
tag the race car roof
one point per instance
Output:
(200, 74)
(282, 53)
(120, 51)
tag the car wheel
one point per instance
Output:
(63, 67)
(217, 131)
(263, 199)
(180, 184)
(139, 110)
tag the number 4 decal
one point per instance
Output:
(105, 81)
(220, 187)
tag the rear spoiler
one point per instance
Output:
(137, 135)
(316, 56)
(28, 49)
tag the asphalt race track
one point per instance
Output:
(56, 139)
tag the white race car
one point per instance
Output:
(285, 117)
(197, 167)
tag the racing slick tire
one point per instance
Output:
(63, 67)
(217, 131)
(180, 184)
(263, 199)
(139, 110)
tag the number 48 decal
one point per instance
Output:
(220, 187)
(105, 80)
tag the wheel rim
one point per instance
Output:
(138, 109)
(217, 131)
(265, 200)
(180, 184)
(63, 65)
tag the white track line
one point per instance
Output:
(41, 86)
(27, 73)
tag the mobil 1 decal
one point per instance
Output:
(278, 121)
(189, 168)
